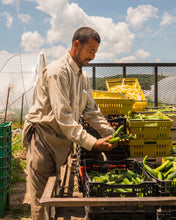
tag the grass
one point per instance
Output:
(19, 212)
(18, 155)
(17, 168)
(18, 164)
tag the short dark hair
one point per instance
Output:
(84, 33)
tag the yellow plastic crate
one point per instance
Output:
(112, 103)
(152, 148)
(150, 129)
(131, 88)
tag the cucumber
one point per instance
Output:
(171, 176)
(149, 169)
(119, 129)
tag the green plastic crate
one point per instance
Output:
(5, 140)
(5, 161)
(8, 198)
(5, 129)
(3, 198)
(5, 150)
(5, 172)
(5, 182)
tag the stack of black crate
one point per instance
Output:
(120, 153)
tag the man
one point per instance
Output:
(62, 95)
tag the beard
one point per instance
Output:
(81, 62)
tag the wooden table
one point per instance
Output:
(69, 198)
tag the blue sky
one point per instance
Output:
(131, 30)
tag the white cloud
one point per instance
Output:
(31, 41)
(25, 18)
(157, 60)
(137, 16)
(9, 2)
(167, 19)
(141, 54)
(129, 59)
(66, 18)
(9, 19)
(116, 38)
(55, 52)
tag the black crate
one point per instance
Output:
(121, 214)
(122, 152)
(119, 153)
(166, 213)
(165, 187)
(114, 120)
(99, 189)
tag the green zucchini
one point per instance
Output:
(170, 158)
(119, 129)
(114, 140)
(168, 166)
(171, 176)
(160, 176)
(171, 170)
(162, 166)
(149, 169)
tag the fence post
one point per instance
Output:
(156, 86)
(94, 77)
(7, 102)
(21, 119)
(124, 71)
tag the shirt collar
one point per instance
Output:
(72, 63)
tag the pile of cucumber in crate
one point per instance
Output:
(132, 170)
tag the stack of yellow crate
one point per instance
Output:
(111, 103)
(131, 88)
(152, 135)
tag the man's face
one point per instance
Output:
(86, 52)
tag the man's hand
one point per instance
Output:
(104, 145)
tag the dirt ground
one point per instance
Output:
(20, 204)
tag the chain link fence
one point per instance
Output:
(157, 80)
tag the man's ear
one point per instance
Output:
(77, 43)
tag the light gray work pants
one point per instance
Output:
(40, 165)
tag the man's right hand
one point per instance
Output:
(104, 145)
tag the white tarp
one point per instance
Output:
(166, 90)
(19, 72)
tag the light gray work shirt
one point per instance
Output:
(62, 95)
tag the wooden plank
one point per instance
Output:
(75, 201)
(111, 201)
(65, 171)
(50, 186)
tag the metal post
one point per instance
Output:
(156, 86)
(124, 71)
(21, 119)
(7, 102)
(94, 77)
